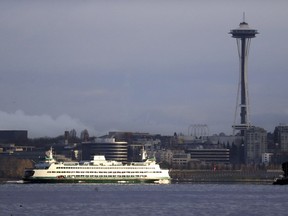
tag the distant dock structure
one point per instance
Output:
(243, 36)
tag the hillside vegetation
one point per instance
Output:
(13, 168)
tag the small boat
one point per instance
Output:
(282, 179)
(99, 170)
(15, 182)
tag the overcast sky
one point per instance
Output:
(146, 66)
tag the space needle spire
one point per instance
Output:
(243, 36)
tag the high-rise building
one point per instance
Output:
(281, 138)
(255, 144)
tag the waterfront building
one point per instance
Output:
(281, 138)
(210, 155)
(137, 142)
(109, 147)
(164, 155)
(17, 137)
(255, 144)
(180, 159)
(266, 158)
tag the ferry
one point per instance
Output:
(99, 170)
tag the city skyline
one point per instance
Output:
(147, 66)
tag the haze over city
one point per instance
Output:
(147, 66)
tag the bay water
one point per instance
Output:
(143, 199)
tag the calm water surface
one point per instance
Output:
(113, 199)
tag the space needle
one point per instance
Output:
(243, 36)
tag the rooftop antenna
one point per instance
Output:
(243, 17)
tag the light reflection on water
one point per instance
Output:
(113, 199)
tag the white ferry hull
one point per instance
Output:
(83, 180)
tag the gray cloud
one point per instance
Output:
(155, 66)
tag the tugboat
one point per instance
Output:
(282, 179)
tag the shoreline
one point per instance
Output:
(224, 176)
(207, 176)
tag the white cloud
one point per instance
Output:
(40, 125)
